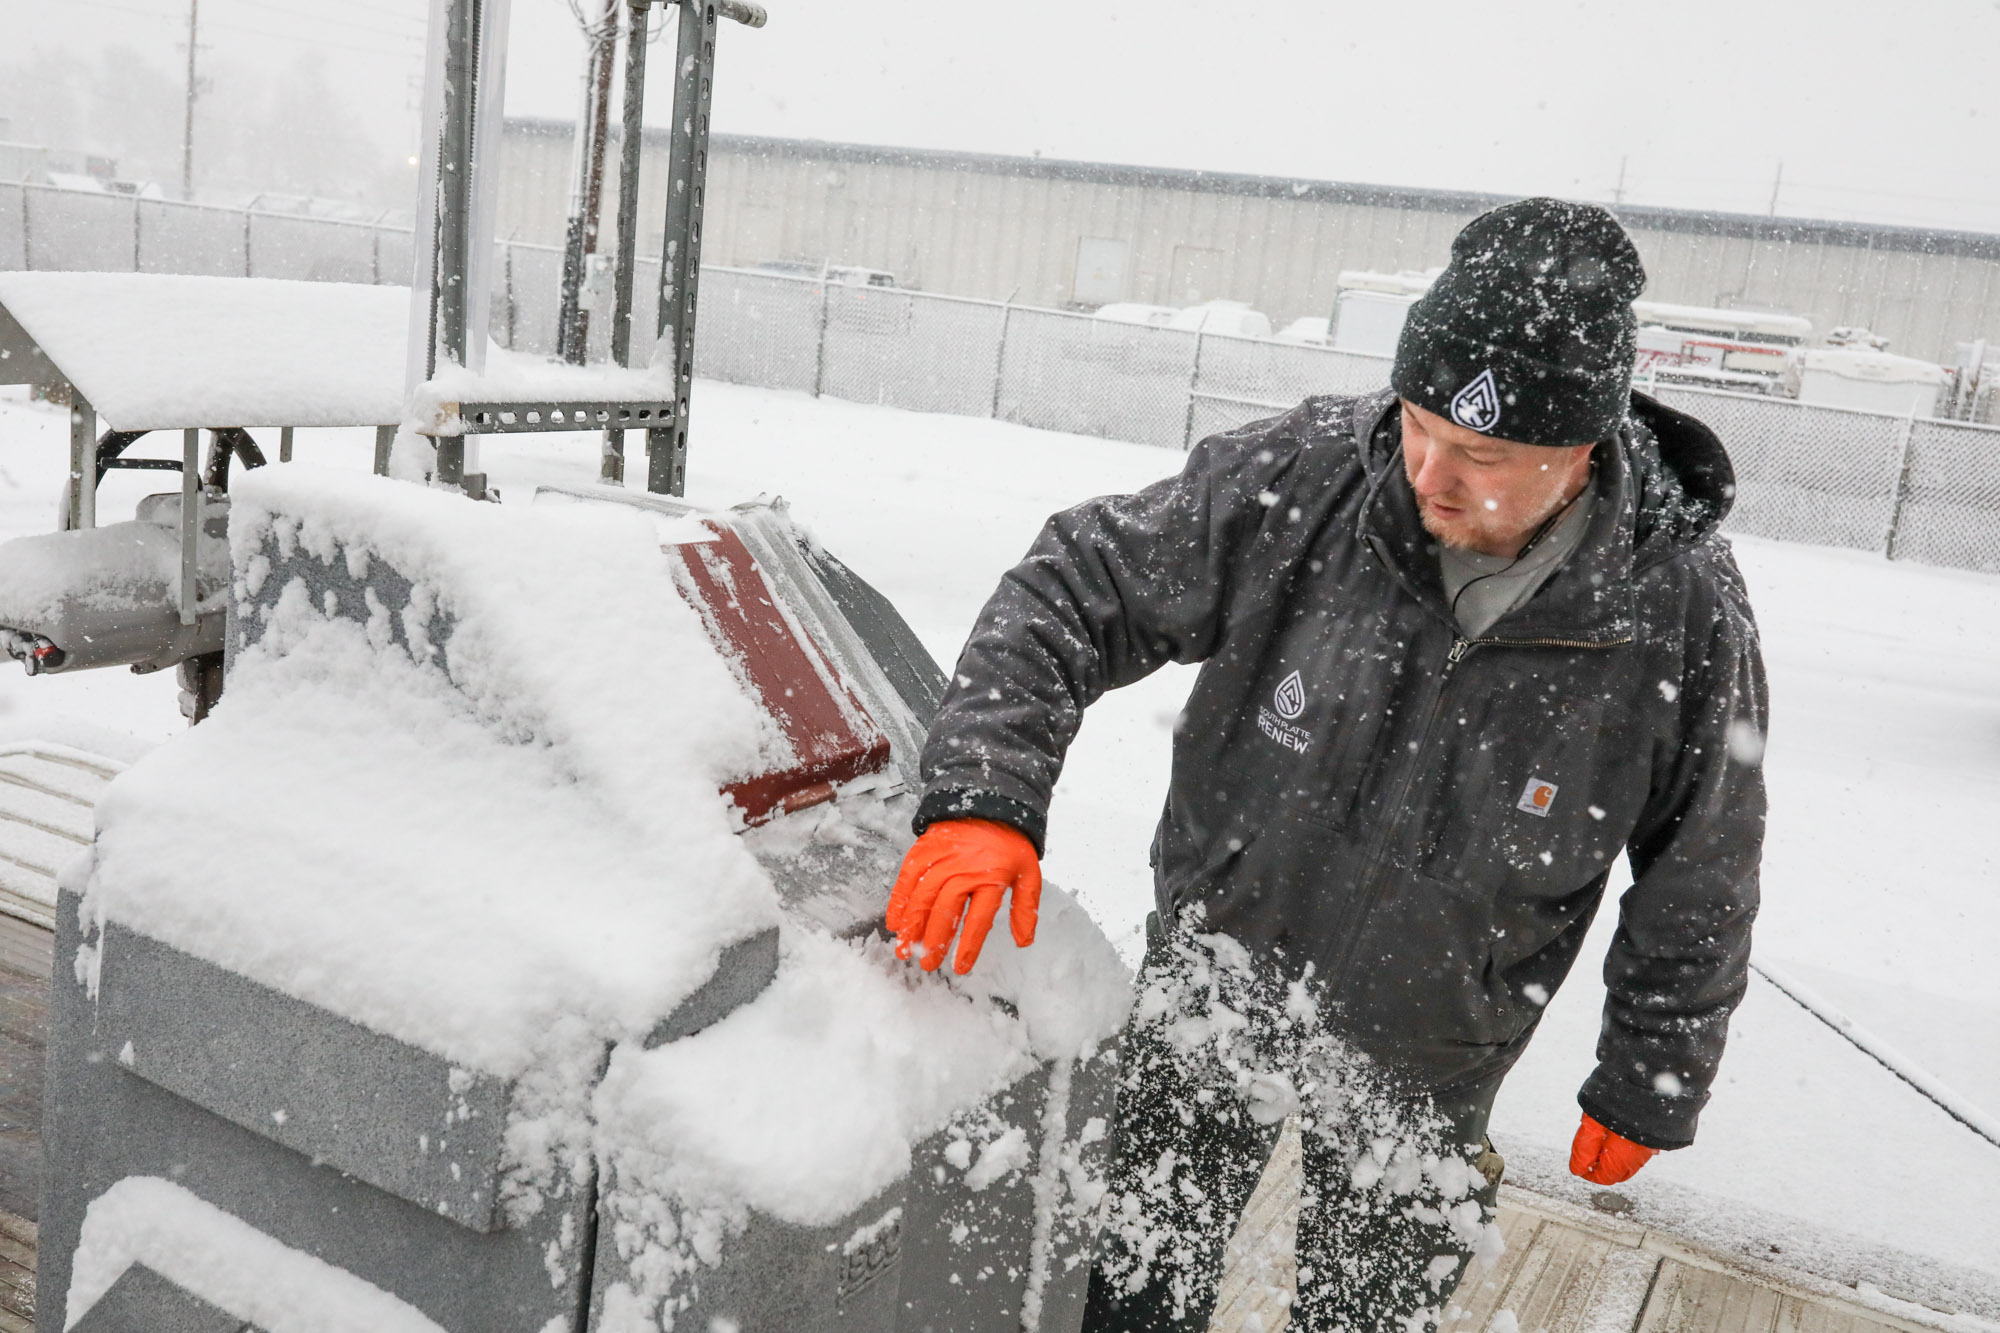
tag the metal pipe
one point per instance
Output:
(190, 520)
(631, 142)
(285, 444)
(586, 192)
(1901, 494)
(680, 267)
(450, 460)
(82, 463)
(999, 353)
(454, 203)
(819, 343)
(749, 15)
(1194, 382)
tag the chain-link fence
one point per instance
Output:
(1803, 473)
(902, 349)
(187, 238)
(760, 329)
(1948, 500)
(46, 227)
(1916, 489)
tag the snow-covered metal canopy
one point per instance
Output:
(154, 351)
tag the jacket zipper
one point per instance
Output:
(1550, 643)
(1364, 901)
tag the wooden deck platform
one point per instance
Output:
(1565, 1270)
(25, 955)
(25, 952)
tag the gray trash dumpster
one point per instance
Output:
(344, 999)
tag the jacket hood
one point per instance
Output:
(1683, 480)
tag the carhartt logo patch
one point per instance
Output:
(1291, 697)
(1477, 405)
(1537, 797)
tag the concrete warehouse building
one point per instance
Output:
(1080, 234)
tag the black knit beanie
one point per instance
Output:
(1528, 334)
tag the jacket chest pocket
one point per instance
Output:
(1535, 800)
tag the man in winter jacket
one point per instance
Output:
(1463, 642)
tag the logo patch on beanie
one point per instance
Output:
(1477, 405)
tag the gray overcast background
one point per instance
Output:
(1876, 111)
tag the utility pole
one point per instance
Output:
(1776, 181)
(187, 132)
(1618, 193)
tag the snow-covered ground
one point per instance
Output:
(1884, 762)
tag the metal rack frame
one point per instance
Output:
(470, 45)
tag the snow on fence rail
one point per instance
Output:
(1912, 488)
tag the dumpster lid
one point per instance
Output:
(828, 734)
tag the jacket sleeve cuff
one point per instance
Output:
(1647, 1118)
(945, 803)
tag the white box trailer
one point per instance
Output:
(1870, 380)
(1369, 308)
(1736, 349)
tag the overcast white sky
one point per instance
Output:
(1878, 111)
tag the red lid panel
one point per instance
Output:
(830, 736)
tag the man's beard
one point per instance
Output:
(1467, 533)
(1459, 534)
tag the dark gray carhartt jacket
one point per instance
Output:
(1354, 782)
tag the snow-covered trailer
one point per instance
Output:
(141, 352)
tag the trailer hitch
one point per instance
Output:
(35, 653)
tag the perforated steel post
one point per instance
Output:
(680, 268)
(631, 143)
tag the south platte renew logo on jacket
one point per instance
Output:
(1289, 699)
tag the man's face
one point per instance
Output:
(1483, 494)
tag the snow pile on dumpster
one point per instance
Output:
(467, 838)
(503, 884)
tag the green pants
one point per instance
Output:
(1399, 1187)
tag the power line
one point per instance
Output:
(302, 39)
(417, 34)
(419, 19)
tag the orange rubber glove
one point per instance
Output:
(1605, 1158)
(961, 868)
